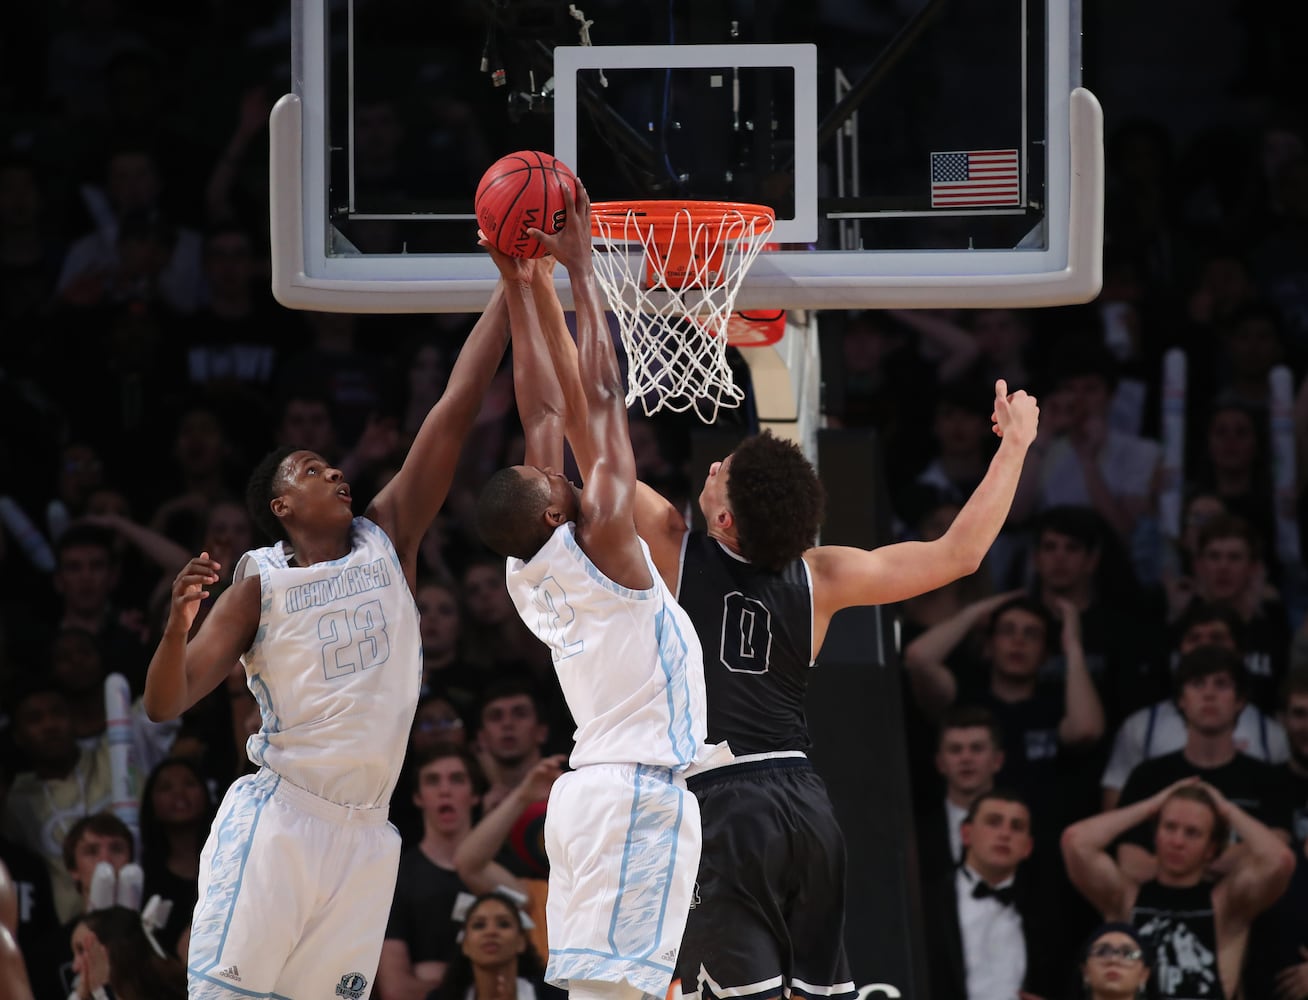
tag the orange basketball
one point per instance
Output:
(520, 192)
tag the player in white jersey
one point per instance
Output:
(621, 830)
(297, 875)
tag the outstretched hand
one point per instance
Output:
(571, 245)
(189, 589)
(1016, 416)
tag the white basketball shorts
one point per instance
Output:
(623, 842)
(294, 896)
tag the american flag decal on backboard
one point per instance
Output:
(983, 177)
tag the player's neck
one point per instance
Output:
(307, 551)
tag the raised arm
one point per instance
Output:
(1090, 867)
(408, 504)
(1262, 872)
(846, 577)
(607, 532)
(182, 672)
(1083, 714)
(535, 388)
(929, 676)
(475, 857)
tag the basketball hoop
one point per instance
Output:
(671, 271)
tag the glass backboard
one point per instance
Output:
(916, 152)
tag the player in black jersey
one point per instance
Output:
(769, 918)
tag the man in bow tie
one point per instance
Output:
(982, 943)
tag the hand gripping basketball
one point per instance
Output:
(571, 245)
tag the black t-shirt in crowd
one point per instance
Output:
(1257, 788)
(422, 913)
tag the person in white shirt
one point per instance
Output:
(969, 754)
(983, 944)
(1160, 729)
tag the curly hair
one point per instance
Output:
(262, 486)
(776, 499)
(509, 514)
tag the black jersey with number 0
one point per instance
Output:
(756, 628)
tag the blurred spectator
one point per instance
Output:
(77, 667)
(1278, 958)
(203, 460)
(1229, 572)
(176, 812)
(110, 948)
(131, 189)
(1079, 459)
(496, 958)
(969, 753)
(1076, 558)
(445, 672)
(1236, 467)
(86, 578)
(494, 635)
(62, 784)
(1252, 345)
(985, 934)
(1210, 694)
(1113, 963)
(510, 734)
(1036, 721)
(422, 932)
(1195, 931)
(964, 443)
(1161, 728)
(98, 845)
(29, 255)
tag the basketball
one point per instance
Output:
(520, 192)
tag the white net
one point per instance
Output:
(671, 271)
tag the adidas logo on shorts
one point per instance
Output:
(231, 973)
(669, 956)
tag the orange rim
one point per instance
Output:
(707, 212)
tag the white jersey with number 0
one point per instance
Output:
(335, 665)
(628, 661)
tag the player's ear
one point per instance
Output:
(279, 506)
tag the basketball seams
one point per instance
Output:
(502, 203)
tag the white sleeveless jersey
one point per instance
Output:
(335, 665)
(628, 661)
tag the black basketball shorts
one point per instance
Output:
(768, 914)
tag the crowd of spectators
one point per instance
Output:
(1109, 718)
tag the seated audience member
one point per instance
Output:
(1278, 959)
(101, 838)
(1113, 964)
(1229, 571)
(985, 938)
(445, 672)
(64, 784)
(969, 754)
(1160, 728)
(1037, 721)
(436, 724)
(111, 952)
(1210, 696)
(86, 578)
(421, 934)
(14, 983)
(511, 733)
(496, 959)
(1079, 458)
(1076, 558)
(1195, 931)
(176, 813)
(506, 849)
